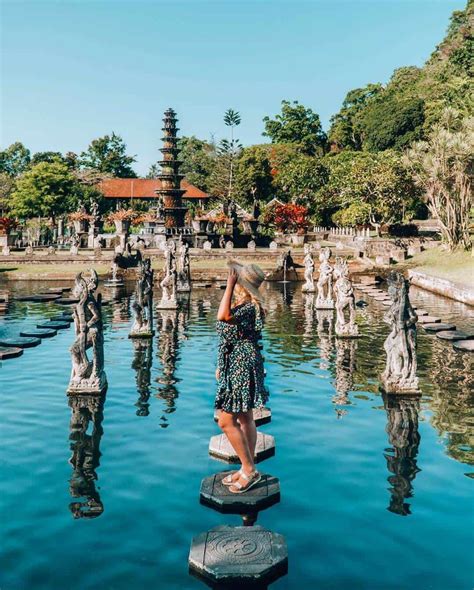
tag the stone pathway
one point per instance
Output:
(241, 555)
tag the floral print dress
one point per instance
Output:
(240, 387)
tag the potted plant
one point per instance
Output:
(122, 219)
(292, 219)
(80, 220)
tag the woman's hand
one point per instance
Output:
(232, 278)
(218, 374)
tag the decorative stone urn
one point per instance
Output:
(298, 239)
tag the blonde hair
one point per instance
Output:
(242, 294)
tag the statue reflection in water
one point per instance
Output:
(172, 329)
(404, 438)
(142, 362)
(344, 373)
(325, 330)
(85, 458)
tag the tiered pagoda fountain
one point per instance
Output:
(171, 192)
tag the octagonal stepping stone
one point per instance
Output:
(39, 333)
(264, 494)
(53, 326)
(420, 312)
(260, 415)
(439, 327)
(228, 554)
(9, 352)
(220, 447)
(429, 319)
(387, 302)
(66, 301)
(464, 345)
(61, 318)
(454, 335)
(20, 342)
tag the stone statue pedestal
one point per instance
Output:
(183, 286)
(143, 332)
(91, 385)
(347, 330)
(308, 288)
(324, 304)
(167, 304)
(399, 386)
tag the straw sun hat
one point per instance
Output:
(250, 276)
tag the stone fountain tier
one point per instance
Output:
(228, 555)
(220, 448)
(264, 494)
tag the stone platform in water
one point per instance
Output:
(438, 327)
(9, 352)
(61, 318)
(227, 554)
(40, 298)
(220, 447)
(46, 333)
(454, 335)
(262, 495)
(20, 342)
(260, 415)
(428, 319)
(464, 345)
(66, 301)
(420, 312)
(63, 325)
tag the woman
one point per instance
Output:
(239, 373)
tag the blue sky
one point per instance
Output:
(75, 70)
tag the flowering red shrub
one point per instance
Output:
(7, 223)
(291, 217)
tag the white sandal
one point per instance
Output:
(253, 478)
(228, 481)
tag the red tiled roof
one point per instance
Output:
(143, 188)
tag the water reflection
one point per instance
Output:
(86, 410)
(345, 367)
(325, 330)
(142, 362)
(404, 438)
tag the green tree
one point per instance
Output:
(15, 159)
(222, 178)
(301, 179)
(45, 190)
(299, 125)
(345, 131)
(108, 154)
(47, 157)
(7, 184)
(254, 174)
(443, 166)
(378, 183)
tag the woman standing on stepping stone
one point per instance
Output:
(239, 373)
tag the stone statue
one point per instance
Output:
(75, 243)
(85, 409)
(184, 272)
(404, 440)
(324, 299)
(95, 214)
(169, 282)
(87, 376)
(251, 245)
(400, 370)
(29, 250)
(345, 300)
(229, 245)
(273, 245)
(233, 212)
(207, 245)
(308, 287)
(256, 209)
(143, 305)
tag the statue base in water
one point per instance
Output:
(347, 331)
(183, 287)
(143, 332)
(324, 304)
(308, 289)
(167, 304)
(410, 386)
(91, 385)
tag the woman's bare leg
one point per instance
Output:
(231, 428)
(247, 424)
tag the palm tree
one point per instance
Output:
(231, 148)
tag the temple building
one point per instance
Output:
(124, 190)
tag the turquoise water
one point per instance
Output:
(116, 507)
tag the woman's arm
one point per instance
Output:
(223, 313)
